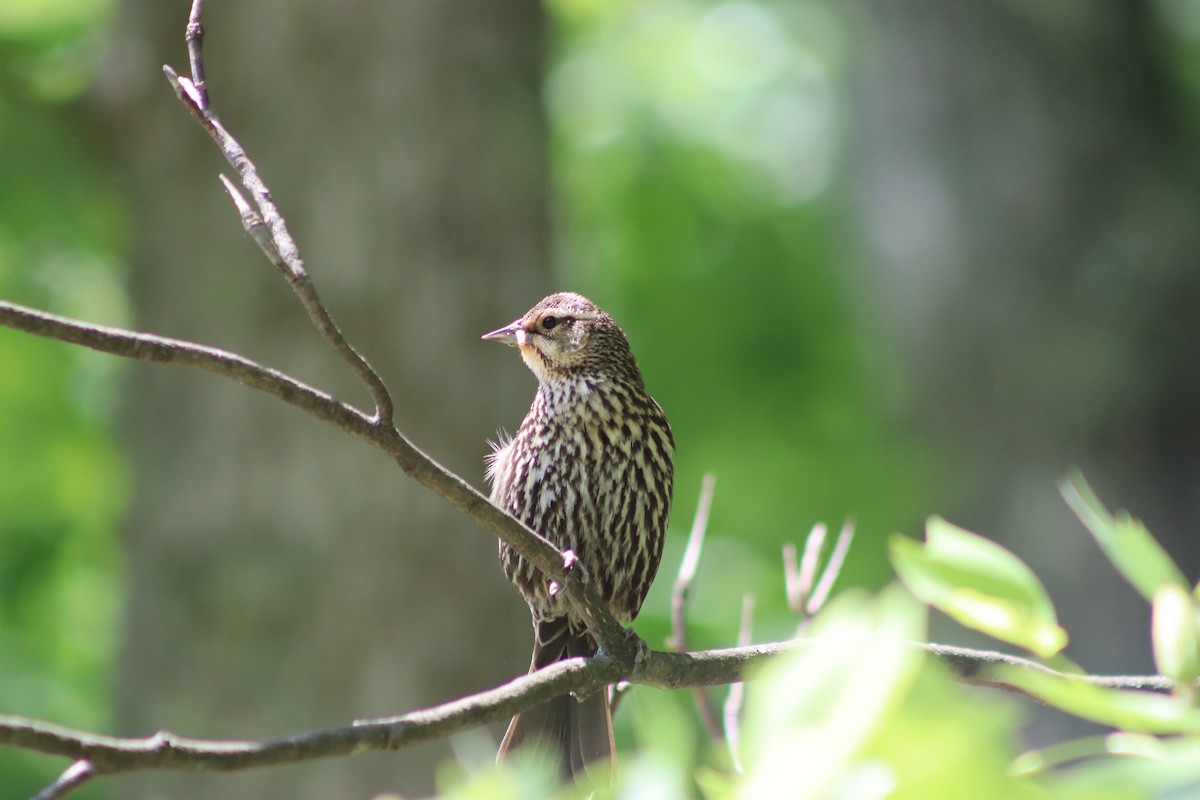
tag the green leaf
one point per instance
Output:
(859, 712)
(1175, 635)
(1135, 767)
(715, 784)
(1129, 546)
(1128, 710)
(807, 725)
(980, 584)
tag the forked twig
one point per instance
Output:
(818, 596)
(806, 592)
(799, 578)
(268, 225)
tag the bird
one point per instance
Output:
(591, 470)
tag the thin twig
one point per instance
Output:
(679, 595)
(165, 750)
(791, 578)
(799, 580)
(690, 562)
(193, 93)
(806, 592)
(810, 561)
(71, 779)
(252, 223)
(833, 566)
(194, 37)
(164, 350)
(617, 694)
(737, 691)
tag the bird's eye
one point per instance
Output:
(548, 323)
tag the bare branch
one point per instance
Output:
(832, 568)
(799, 579)
(283, 252)
(165, 751)
(683, 582)
(72, 778)
(691, 555)
(690, 562)
(252, 223)
(806, 592)
(975, 667)
(617, 694)
(194, 36)
(163, 350)
(737, 691)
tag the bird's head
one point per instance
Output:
(567, 335)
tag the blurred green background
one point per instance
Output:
(877, 261)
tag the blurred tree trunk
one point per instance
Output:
(1033, 181)
(283, 576)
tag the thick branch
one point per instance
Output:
(107, 754)
(164, 750)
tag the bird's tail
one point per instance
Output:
(577, 733)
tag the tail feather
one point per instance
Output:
(576, 733)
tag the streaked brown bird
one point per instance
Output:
(590, 469)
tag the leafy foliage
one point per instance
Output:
(985, 570)
(862, 712)
(980, 584)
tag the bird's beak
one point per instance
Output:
(513, 334)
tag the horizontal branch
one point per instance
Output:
(163, 350)
(166, 751)
(977, 667)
